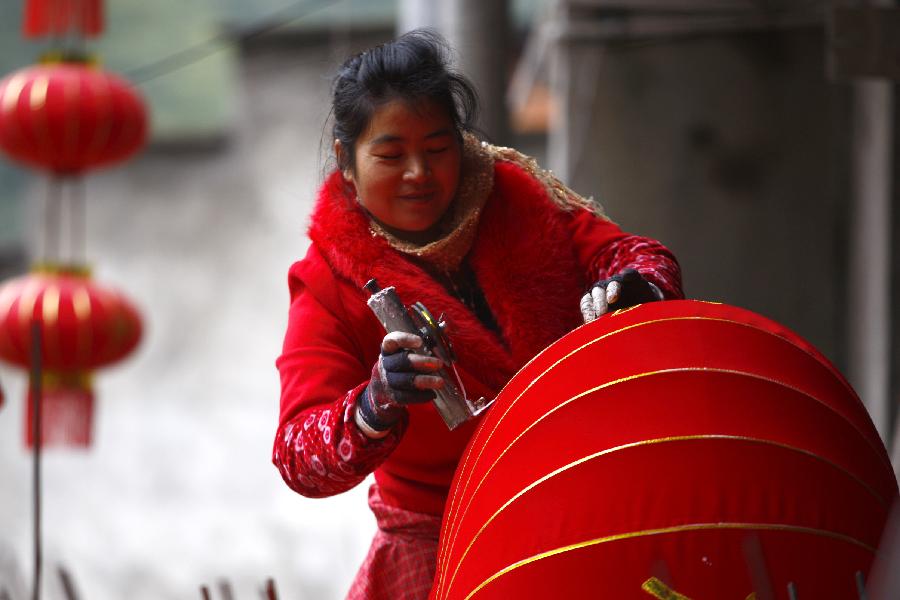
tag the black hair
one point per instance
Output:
(415, 67)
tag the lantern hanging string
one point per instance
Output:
(52, 217)
(78, 222)
(65, 215)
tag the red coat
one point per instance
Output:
(532, 260)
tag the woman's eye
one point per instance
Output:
(438, 150)
(388, 156)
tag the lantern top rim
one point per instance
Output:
(65, 269)
(69, 57)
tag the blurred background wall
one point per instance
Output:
(712, 126)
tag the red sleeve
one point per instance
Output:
(318, 448)
(605, 250)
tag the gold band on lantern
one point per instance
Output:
(675, 529)
(55, 268)
(52, 380)
(55, 57)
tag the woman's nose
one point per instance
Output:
(416, 169)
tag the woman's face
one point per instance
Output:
(406, 168)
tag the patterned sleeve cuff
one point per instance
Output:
(650, 258)
(322, 451)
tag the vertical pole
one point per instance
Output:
(269, 593)
(792, 590)
(36, 431)
(861, 586)
(479, 32)
(415, 14)
(225, 590)
(68, 585)
(869, 305)
(560, 135)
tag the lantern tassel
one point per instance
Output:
(36, 21)
(66, 411)
(56, 17)
(91, 18)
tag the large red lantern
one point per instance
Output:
(68, 117)
(83, 326)
(674, 450)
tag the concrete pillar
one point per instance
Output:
(479, 32)
(561, 84)
(575, 61)
(869, 285)
(415, 14)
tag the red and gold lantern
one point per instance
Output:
(84, 326)
(674, 450)
(69, 117)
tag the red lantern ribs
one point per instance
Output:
(84, 326)
(69, 117)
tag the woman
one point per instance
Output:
(476, 232)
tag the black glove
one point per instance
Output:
(619, 291)
(399, 377)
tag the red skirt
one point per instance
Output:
(401, 561)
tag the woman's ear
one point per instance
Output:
(339, 154)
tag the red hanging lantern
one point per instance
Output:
(84, 326)
(674, 450)
(68, 117)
